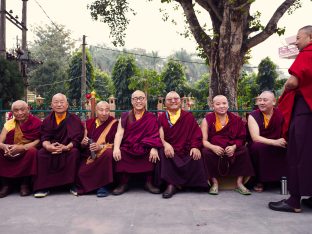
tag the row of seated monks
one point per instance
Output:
(169, 152)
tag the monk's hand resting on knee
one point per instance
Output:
(117, 154)
(230, 150)
(217, 150)
(153, 157)
(281, 142)
(195, 153)
(169, 151)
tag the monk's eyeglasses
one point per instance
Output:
(138, 99)
(173, 99)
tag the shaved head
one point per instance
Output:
(102, 104)
(172, 93)
(138, 93)
(19, 103)
(218, 98)
(60, 96)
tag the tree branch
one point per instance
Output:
(271, 27)
(199, 34)
(209, 6)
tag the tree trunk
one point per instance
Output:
(227, 56)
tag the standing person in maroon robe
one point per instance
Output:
(296, 106)
(61, 134)
(18, 141)
(225, 153)
(267, 147)
(96, 168)
(136, 143)
(180, 160)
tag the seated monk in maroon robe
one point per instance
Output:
(296, 106)
(96, 168)
(225, 153)
(136, 143)
(180, 160)
(19, 138)
(267, 147)
(61, 134)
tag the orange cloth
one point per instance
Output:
(59, 119)
(139, 116)
(174, 116)
(266, 120)
(219, 125)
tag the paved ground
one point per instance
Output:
(140, 212)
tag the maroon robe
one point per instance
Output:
(58, 169)
(184, 135)
(25, 164)
(138, 139)
(297, 107)
(270, 162)
(98, 173)
(233, 133)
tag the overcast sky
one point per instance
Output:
(146, 29)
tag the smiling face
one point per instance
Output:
(102, 111)
(20, 111)
(220, 104)
(138, 100)
(173, 101)
(266, 101)
(59, 103)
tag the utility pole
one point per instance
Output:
(83, 74)
(24, 48)
(2, 29)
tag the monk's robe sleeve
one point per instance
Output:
(196, 134)
(75, 130)
(239, 133)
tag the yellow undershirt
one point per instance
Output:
(174, 116)
(139, 116)
(10, 124)
(219, 124)
(266, 120)
(59, 119)
(97, 123)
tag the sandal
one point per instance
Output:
(214, 189)
(242, 190)
(258, 188)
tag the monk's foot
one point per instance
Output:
(5, 191)
(102, 192)
(283, 207)
(120, 189)
(214, 189)
(307, 202)
(169, 192)
(242, 190)
(25, 190)
(258, 188)
(151, 188)
(41, 193)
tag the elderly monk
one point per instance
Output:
(267, 147)
(136, 143)
(19, 138)
(225, 153)
(180, 160)
(61, 134)
(296, 106)
(96, 168)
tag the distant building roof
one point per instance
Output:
(290, 51)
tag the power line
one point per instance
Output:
(58, 82)
(148, 56)
(47, 15)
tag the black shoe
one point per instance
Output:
(283, 206)
(169, 192)
(307, 202)
(151, 188)
(120, 189)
